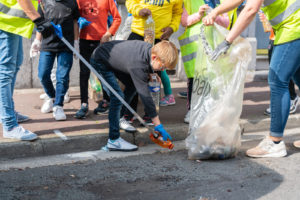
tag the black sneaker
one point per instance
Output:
(294, 104)
(182, 95)
(148, 121)
(82, 112)
(103, 108)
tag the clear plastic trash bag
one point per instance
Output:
(217, 97)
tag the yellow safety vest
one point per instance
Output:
(232, 18)
(14, 20)
(284, 16)
(189, 39)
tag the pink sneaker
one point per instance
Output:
(167, 100)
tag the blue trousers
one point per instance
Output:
(284, 66)
(64, 65)
(11, 58)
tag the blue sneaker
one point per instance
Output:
(82, 112)
(21, 118)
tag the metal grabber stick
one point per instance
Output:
(58, 32)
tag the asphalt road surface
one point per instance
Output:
(158, 175)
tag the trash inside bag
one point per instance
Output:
(95, 83)
(217, 97)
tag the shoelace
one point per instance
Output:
(167, 99)
(22, 129)
(266, 144)
(59, 109)
(125, 122)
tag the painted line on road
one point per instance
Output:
(60, 134)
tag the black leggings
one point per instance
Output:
(86, 48)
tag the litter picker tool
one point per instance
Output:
(154, 135)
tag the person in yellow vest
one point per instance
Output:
(192, 14)
(284, 16)
(166, 15)
(293, 95)
(15, 22)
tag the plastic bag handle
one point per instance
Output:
(207, 48)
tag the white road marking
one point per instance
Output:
(60, 134)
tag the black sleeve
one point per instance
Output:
(76, 13)
(40, 11)
(140, 80)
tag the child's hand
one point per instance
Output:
(167, 33)
(157, 77)
(210, 19)
(262, 16)
(145, 12)
(105, 37)
(202, 10)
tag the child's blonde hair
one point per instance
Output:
(167, 52)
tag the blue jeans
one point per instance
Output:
(64, 64)
(115, 103)
(11, 58)
(284, 66)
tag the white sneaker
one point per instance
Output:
(58, 113)
(120, 145)
(47, 106)
(67, 98)
(20, 133)
(187, 118)
(44, 96)
(125, 125)
(268, 149)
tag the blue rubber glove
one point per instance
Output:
(163, 132)
(82, 22)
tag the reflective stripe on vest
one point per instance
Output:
(290, 10)
(285, 14)
(268, 2)
(14, 20)
(12, 11)
(189, 57)
(188, 40)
